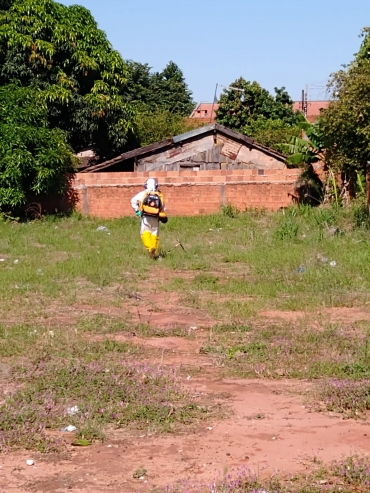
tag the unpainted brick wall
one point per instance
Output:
(187, 193)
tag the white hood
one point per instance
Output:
(151, 184)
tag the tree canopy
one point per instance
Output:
(364, 51)
(247, 102)
(161, 100)
(33, 158)
(64, 88)
(156, 125)
(165, 90)
(61, 51)
(346, 122)
(271, 133)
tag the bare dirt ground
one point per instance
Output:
(269, 430)
(268, 427)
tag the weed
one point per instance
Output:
(230, 328)
(16, 340)
(124, 394)
(345, 396)
(205, 281)
(81, 266)
(360, 214)
(230, 211)
(139, 473)
(352, 471)
(290, 350)
(257, 416)
(325, 216)
(255, 348)
(355, 471)
(288, 229)
(101, 324)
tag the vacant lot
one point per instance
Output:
(241, 356)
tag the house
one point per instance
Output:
(211, 147)
(312, 110)
(204, 112)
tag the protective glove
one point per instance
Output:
(138, 213)
(163, 217)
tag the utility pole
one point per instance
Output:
(213, 104)
(306, 102)
(302, 101)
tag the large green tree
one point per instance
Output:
(138, 83)
(34, 159)
(169, 91)
(245, 103)
(162, 102)
(61, 51)
(166, 90)
(346, 122)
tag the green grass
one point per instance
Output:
(102, 324)
(252, 255)
(291, 350)
(67, 289)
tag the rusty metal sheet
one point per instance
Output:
(176, 151)
(230, 148)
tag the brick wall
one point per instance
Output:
(108, 195)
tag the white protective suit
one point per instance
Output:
(149, 229)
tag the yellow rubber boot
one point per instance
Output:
(146, 238)
(155, 242)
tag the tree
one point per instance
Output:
(5, 4)
(161, 100)
(166, 90)
(169, 91)
(364, 51)
(138, 83)
(271, 133)
(61, 51)
(239, 109)
(156, 125)
(346, 122)
(33, 158)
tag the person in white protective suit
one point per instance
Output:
(150, 207)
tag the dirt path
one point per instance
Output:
(269, 431)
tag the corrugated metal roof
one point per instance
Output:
(182, 138)
(194, 133)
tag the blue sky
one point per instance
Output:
(278, 43)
